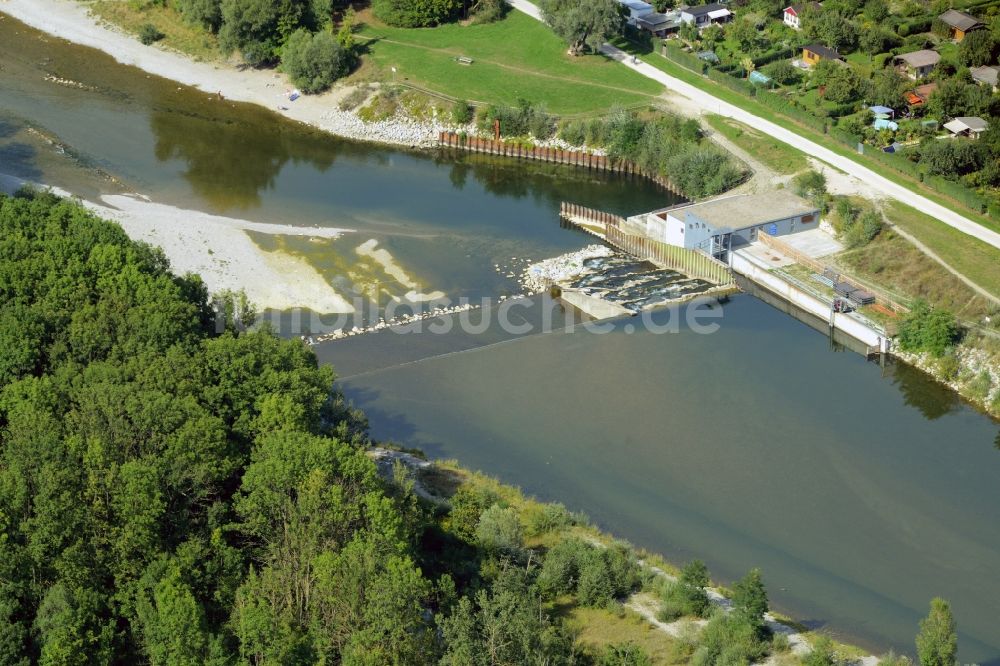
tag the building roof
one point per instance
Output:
(822, 51)
(742, 211)
(921, 58)
(657, 21)
(960, 20)
(705, 9)
(801, 7)
(920, 94)
(966, 124)
(987, 75)
(637, 5)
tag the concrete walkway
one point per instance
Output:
(711, 104)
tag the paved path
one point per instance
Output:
(711, 104)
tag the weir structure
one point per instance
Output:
(616, 231)
(630, 236)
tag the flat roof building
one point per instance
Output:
(718, 225)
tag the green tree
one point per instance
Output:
(937, 642)
(499, 530)
(744, 34)
(583, 24)
(928, 329)
(978, 48)
(836, 31)
(314, 60)
(206, 13)
(750, 599)
(416, 13)
(173, 624)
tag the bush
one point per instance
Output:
(462, 113)
(822, 653)
(149, 33)
(415, 13)
(687, 596)
(548, 518)
(624, 654)
(314, 61)
(521, 120)
(729, 639)
(467, 505)
(598, 576)
(926, 329)
(499, 530)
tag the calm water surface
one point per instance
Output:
(860, 492)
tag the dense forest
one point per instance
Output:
(172, 494)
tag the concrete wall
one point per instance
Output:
(843, 322)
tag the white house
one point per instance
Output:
(718, 225)
(793, 14)
(703, 16)
(636, 10)
(970, 126)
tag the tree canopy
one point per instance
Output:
(583, 24)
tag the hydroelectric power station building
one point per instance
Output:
(719, 225)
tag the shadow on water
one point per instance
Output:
(7, 129)
(19, 159)
(207, 139)
(921, 391)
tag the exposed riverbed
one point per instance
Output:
(860, 492)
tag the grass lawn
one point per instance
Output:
(599, 627)
(179, 34)
(774, 154)
(754, 107)
(973, 258)
(517, 57)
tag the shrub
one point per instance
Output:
(548, 518)
(314, 61)
(499, 530)
(467, 505)
(729, 639)
(624, 654)
(599, 576)
(822, 653)
(521, 120)
(206, 13)
(415, 13)
(561, 567)
(462, 113)
(687, 596)
(149, 33)
(928, 329)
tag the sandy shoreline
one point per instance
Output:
(72, 21)
(218, 249)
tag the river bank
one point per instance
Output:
(438, 481)
(71, 21)
(219, 250)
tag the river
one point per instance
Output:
(860, 491)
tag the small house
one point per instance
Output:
(918, 64)
(919, 96)
(816, 53)
(970, 126)
(703, 16)
(717, 225)
(636, 9)
(792, 15)
(660, 25)
(960, 24)
(986, 76)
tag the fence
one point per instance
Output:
(578, 158)
(692, 263)
(882, 297)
